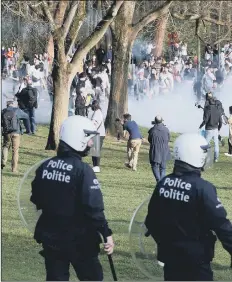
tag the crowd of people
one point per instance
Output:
(67, 190)
(36, 68)
(148, 77)
(9, 59)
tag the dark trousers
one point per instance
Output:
(159, 171)
(96, 160)
(180, 272)
(57, 266)
(230, 147)
(30, 124)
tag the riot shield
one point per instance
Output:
(27, 210)
(143, 249)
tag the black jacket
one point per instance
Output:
(80, 108)
(212, 118)
(72, 204)
(158, 138)
(182, 224)
(96, 82)
(218, 104)
(27, 98)
(80, 84)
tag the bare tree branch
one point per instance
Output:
(69, 19)
(193, 17)
(76, 25)
(8, 6)
(96, 35)
(197, 30)
(19, 10)
(153, 15)
(189, 17)
(35, 5)
(49, 16)
(38, 11)
(224, 37)
(60, 12)
(217, 22)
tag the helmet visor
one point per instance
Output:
(209, 157)
(93, 143)
(95, 148)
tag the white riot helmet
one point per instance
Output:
(191, 148)
(77, 131)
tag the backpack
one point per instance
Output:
(32, 94)
(9, 121)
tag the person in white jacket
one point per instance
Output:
(97, 117)
(105, 82)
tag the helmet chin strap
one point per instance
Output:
(85, 152)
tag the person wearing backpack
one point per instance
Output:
(27, 101)
(11, 133)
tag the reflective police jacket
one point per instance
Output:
(68, 193)
(182, 213)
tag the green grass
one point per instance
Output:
(123, 191)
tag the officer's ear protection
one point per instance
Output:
(206, 148)
(89, 132)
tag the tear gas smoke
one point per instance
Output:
(178, 109)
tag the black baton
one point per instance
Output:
(111, 263)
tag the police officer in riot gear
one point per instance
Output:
(68, 193)
(189, 215)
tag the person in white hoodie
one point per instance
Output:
(222, 58)
(97, 117)
(37, 78)
(105, 83)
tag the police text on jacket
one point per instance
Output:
(60, 174)
(179, 192)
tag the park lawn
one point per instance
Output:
(123, 191)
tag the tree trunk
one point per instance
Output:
(50, 51)
(160, 35)
(61, 87)
(118, 102)
(99, 12)
(60, 106)
(121, 49)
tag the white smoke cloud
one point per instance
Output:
(178, 109)
(43, 113)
